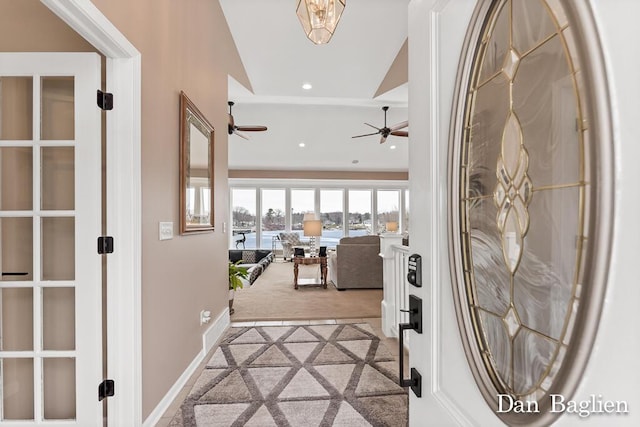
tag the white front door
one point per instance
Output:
(450, 395)
(50, 218)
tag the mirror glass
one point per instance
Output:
(196, 169)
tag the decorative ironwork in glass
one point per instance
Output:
(525, 181)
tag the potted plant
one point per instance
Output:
(236, 272)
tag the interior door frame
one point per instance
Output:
(123, 175)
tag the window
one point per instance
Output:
(332, 216)
(388, 208)
(273, 215)
(258, 213)
(359, 222)
(302, 201)
(243, 217)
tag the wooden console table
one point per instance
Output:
(307, 261)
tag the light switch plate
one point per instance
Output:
(166, 230)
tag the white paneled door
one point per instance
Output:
(450, 395)
(50, 218)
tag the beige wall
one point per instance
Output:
(185, 45)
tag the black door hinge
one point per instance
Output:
(105, 245)
(105, 100)
(107, 388)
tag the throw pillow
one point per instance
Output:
(249, 257)
(254, 274)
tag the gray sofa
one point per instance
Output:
(356, 263)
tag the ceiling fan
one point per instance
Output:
(386, 131)
(233, 129)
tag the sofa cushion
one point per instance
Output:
(261, 253)
(249, 267)
(268, 259)
(235, 255)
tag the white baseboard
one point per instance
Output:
(209, 339)
(216, 330)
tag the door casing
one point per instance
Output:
(123, 175)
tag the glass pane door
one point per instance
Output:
(49, 198)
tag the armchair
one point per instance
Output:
(288, 241)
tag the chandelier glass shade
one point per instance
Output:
(319, 18)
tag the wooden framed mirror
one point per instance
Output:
(196, 169)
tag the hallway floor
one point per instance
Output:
(272, 298)
(297, 376)
(371, 324)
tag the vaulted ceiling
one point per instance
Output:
(362, 68)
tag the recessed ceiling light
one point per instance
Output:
(301, 144)
(393, 147)
(355, 162)
(306, 86)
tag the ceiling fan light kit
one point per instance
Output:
(319, 18)
(385, 131)
(237, 130)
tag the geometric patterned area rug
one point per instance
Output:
(298, 376)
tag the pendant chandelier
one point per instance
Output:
(319, 18)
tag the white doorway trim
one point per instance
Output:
(123, 173)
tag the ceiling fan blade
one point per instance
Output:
(400, 132)
(383, 138)
(367, 134)
(230, 126)
(373, 126)
(251, 128)
(400, 125)
(241, 135)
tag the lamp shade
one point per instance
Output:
(319, 18)
(312, 227)
(309, 216)
(392, 226)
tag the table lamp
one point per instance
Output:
(312, 228)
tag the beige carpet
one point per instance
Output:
(272, 297)
(297, 376)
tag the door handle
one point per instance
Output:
(415, 323)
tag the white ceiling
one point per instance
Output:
(345, 74)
